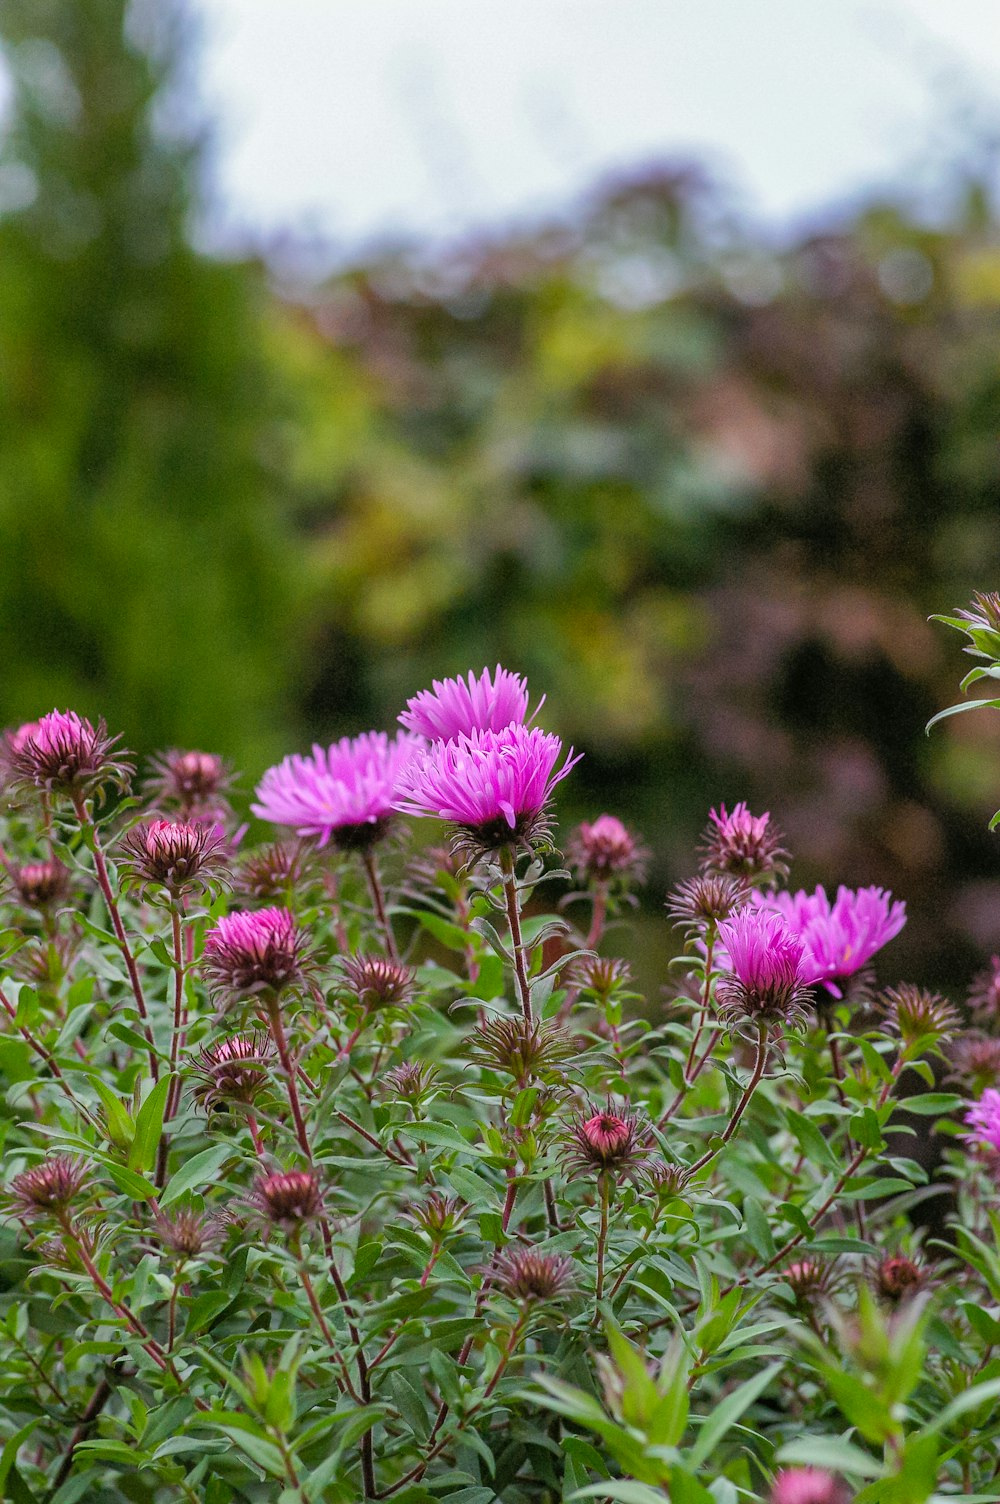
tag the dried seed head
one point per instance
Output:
(808, 1485)
(533, 1275)
(521, 1049)
(438, 1215)
(742, 844)
(262, 951)
(288, 1198)
(606, 850)
(276, 871)
(918, 1016)
(188, 1233)
(896, 1278)
(38, 885)
(707, 899)
(375, 982)
(65, 754)
(609, 1138)
(193, 783)
(48, 1187)
(235, 1069)
(179, 858)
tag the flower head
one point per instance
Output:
(665, 1180)
(984, 611)
(65, 754)
(235, 1069)
(378, 983)
(983, 1117)
(273, 872)
(48, 1187)
(175, 859)
(493, 785)
(193, 783)
(839, 938)
(768, 980)
(919, 1017)
(602, 977)
(808, 1485)
(604, 851)
(608, 1139)
(984, 995)
(410, 1080)
(807, 1279)
(288, 1198)
(742, 844)
(520, 1048)
(706, 899)
(188, 1233)
(457, 707)
(975, 1060)
(896, 1278)
(40, 884)
(344, 791)
(260, 951)
(532, 1275)
(438, 1215)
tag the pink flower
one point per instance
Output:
(249, 953)
(838, 938)
(344, 791)
(984, 1117)
(493, 784)
(604, 849)
(742, 844)
(457, 707)
(808, 1485)
(768, 977)
(64, 753)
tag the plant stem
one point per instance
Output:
(281, 1045)
(744, 1102)
(604, 1191)
(50, 1061)
(514, 921)
(378, 899)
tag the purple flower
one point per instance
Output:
(494, 785)
(838, 938)
(261, 951)
(984, 1118)
(742, 844)
(458, 707)
(344, 791)
(64, 753)
(768, 975)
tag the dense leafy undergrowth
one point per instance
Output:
(353, 1167)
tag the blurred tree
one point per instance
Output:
(147, 565)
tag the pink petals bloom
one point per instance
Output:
(259, 951)
(838, 938)
(768, 974)
(344, 791)
(458, 707)
(494, 784)
(984, 1118)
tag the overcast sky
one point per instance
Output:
(353, 119)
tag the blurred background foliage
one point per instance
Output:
(702, 490)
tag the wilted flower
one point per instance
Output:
(438, 1215)
(983, 1117)
(288, 1198)
(65, 754)
(838, 939)
(194, 783)
(344, 791)
(606, 850)
(377, 982)
(260, 951)
(896, 1278)
(521, 1048)
(188, 1233)
(48, 1187)
(918, 1016)
(457, 707)
(808, 1485)
(533, 1275)
(706, 899)
(975, 1060)
(767, 981)
(274, 871)
(235, 1069)
(39, 884)
(608, 1139)
(742, 844)
(493, 785)
(984, 995)
(180, 859)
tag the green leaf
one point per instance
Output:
(831, 1452)
(811, 1141)
(727, 1413)
(925, 1104)
(758, 1229)
(196, 1172)
(622, 1491)
(959, 709)
(149, 1126)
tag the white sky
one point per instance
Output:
(352, 119)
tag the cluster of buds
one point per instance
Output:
(173, 861)
(808, 1280)
(739, 844)
(896, 1279)
(411, 1080)
(438, 1216)
(260, 953)
(606, 851)
(975, 1061)
(234, 1070)
(66, 755)
(194, 784)
(602, 978)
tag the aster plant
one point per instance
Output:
(355, 1165)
